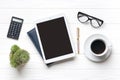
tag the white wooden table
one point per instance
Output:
(78, 69)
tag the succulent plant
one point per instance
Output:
(18, 56)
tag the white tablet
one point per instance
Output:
(55, 39)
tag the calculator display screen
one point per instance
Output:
(17, 20)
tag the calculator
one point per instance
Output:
(15, 28)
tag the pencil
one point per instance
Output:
(78, 36)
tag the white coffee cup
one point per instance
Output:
(101, 46)
(97, 48)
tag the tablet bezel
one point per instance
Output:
(39, 39)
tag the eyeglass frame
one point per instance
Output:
(90, 18)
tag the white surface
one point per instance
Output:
(78, 69)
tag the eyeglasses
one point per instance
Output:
(84, 18)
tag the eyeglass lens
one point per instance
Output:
(83, 19)
(95, 23)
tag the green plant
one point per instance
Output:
(18, 56)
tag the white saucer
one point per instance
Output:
(87, 48)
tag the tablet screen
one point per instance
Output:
(54, 38)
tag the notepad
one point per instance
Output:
(33, 36)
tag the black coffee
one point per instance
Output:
(98, 46)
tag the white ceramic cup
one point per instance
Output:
(103, 53)
(92, 55)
